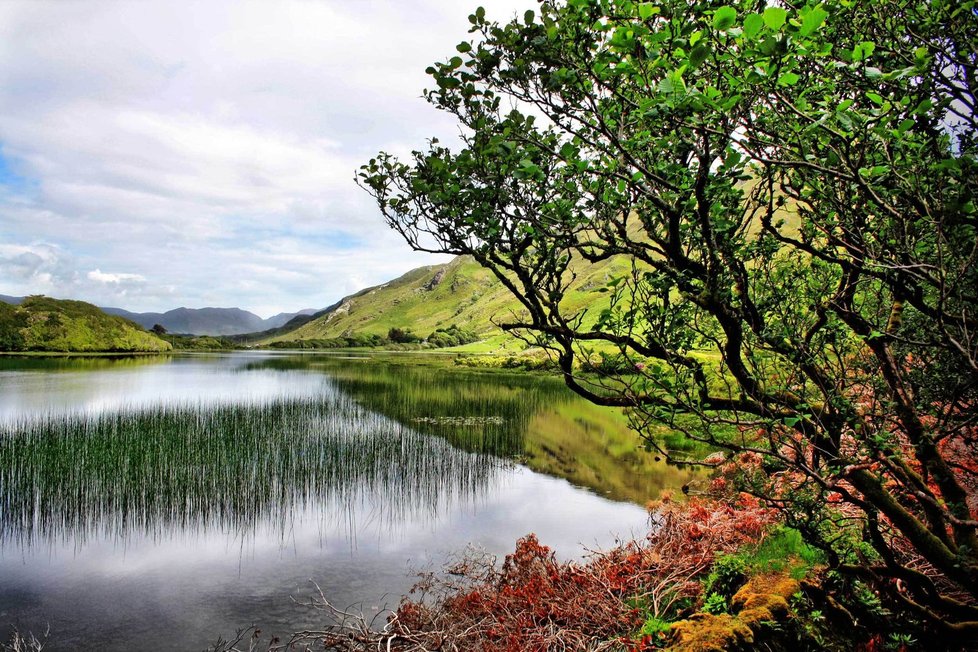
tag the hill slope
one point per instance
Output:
(42, 324)
(460, 292)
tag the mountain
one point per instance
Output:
(460, 292)
(40, 323)
(202, 321)
(208, 321)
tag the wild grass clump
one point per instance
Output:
(18, 642)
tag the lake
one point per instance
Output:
(162, 502)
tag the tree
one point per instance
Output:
(794, 187)
(402, 336)
(159, 329)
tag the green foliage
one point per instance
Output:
(716, 604)
(451, 336)
(784, 548)
(12, 321)
(526, 362)
(402, 336)
(654, 627)
(195, 342)
(359, 340)
(728, 573)
(608, 364)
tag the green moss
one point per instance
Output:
(762, 600)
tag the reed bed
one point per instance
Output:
(153, 470)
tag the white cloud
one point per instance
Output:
(101, 277)
(208, 149)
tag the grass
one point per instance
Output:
(782, 550)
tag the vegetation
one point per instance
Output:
(196, 342)
(792, 188)
(622, 599)
(408, 435)
(397, 337)
(40, 323)
(140, 472)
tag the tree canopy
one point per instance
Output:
(794, 187)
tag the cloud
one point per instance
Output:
(208, 149)
(101, 277)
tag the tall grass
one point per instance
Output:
(162, 468)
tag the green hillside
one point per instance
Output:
(52, 325)
(460, 292)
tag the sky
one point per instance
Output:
(162, 154)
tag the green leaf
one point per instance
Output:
(724, 18)
(863, 50)
(774, 18)
(528, 17)
(875, 98)
(752, 25)
(698, 55)
(646, 10)
(788, 79)
(812, 21)
(464, 46)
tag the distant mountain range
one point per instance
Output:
(460, 293)
(199, 321)
(208, 321)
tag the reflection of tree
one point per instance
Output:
(530, 417)
(81, 364)
(476, 412)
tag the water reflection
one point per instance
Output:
(174, 499)
(36, 387)
(538, 421)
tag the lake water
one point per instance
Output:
(159, 503)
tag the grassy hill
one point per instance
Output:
(460, 292)
(40, 323)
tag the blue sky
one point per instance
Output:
(164, 154)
